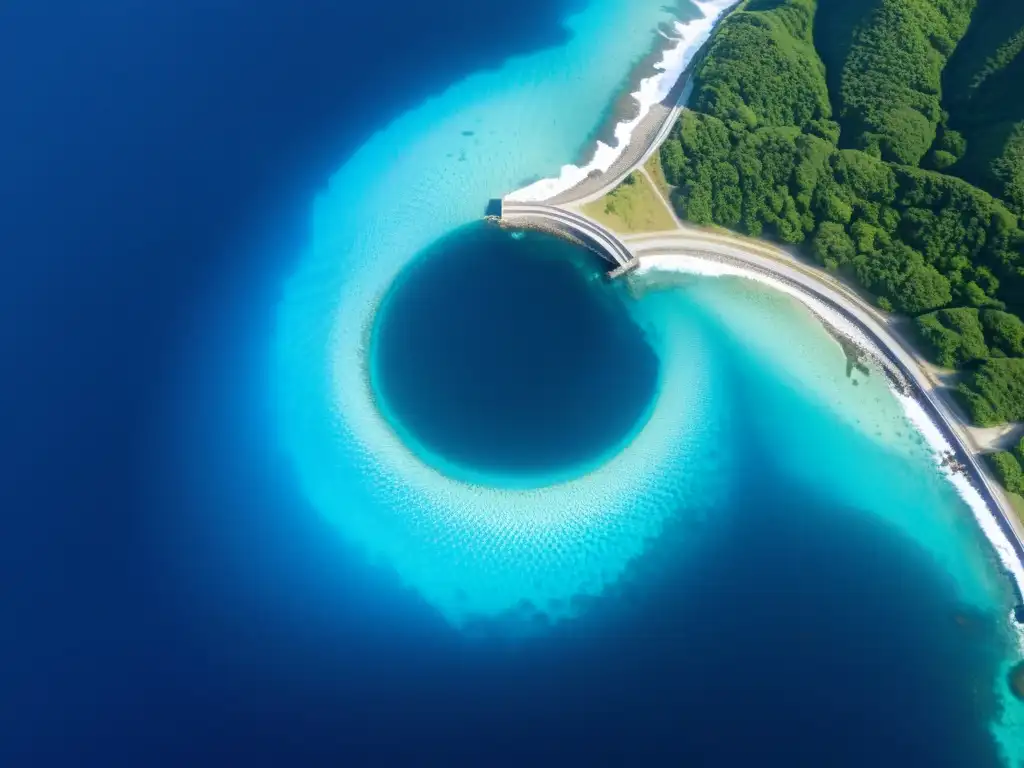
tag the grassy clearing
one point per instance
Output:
(657, 173)
(631, 207)
(1017, 502)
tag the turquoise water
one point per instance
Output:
(424, 176)
(729, 377)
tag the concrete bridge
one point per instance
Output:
(573, 225)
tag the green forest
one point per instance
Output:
(886, 139)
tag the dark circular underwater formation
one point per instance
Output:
(510, 355)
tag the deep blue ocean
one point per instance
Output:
(181, 583)
(557, 351)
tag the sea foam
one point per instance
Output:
(690, 36)
(986, 517)
(471, 550)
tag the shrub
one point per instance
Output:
(1007, 470)
(952, 337)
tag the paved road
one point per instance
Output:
(646, 140)
(609, 246)
(697, 244)
(647, 137)
(701, 244)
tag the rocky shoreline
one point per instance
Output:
(955, 457)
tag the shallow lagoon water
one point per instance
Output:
(423, 177)
(509, 537)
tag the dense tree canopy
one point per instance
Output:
(994, 393)
(891, 80)
(953, 337)
(760, 153)
(1004, 333)
(1007, 469)
(982, 88)
(783, 85)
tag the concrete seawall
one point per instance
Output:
(648, 134)
(898, 362)
(568, 224)
(896, 357)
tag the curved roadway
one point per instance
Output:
(647, 136)
(608, 245)
(698, 245)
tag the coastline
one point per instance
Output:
(652, 109)
(352, 469)
(626, 107)
(847, 316)
(841, 314)
(956, 445)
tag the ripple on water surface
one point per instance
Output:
(476, 550)
(509, 360)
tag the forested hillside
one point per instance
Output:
(823, 123)
(888, 100)
(784, 85)
(983, 93)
